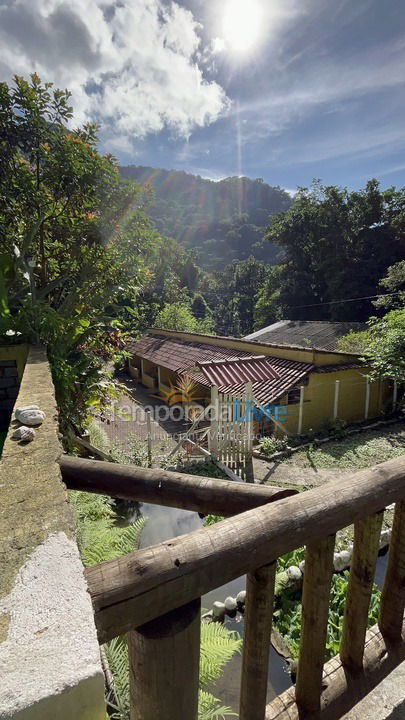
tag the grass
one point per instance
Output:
(354, 452)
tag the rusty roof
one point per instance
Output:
(240, 370)
(192, 357)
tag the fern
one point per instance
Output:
(209, 708)
(101, 540)
(218, 645)
(117, 657)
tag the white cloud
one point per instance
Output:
(132, 65)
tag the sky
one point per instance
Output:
(284, 90)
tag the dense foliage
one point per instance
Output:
(337, 246)
(224, 220)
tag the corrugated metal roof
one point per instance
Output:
(180, 355)
(186, 357)
(235, 372)
(320, 334)
(268, 391)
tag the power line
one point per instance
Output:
(336, 302)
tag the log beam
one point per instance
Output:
(162, 487)
(256, 642)
(341, 690)
(315, 610)
(164, 663)
(393, 592)
(135, 588)
(361, 579)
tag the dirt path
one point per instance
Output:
(280, 473)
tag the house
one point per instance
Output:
(319, 334)
(314, 386)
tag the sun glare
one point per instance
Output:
(241, 24)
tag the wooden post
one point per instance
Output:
(301, 410)
(142, 370)
(393, 593)
(213, 432)
(367, 403)
(164, 659)
(158, 373)
(149, 437)
(315, 610)
(336, 400)
(365, 553)
(256, 643)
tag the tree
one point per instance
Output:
(267, 308)
(74, 239)
(178, 316)
(393, 287)
(337, 244)
(386, 347)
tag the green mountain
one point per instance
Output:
(222, 220)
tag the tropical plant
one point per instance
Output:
(385, 350)
(74, 240)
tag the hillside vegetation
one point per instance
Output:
(223, 220)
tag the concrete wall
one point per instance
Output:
(49, 654)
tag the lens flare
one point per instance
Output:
(241, 24)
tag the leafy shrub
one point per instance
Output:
(270, 445)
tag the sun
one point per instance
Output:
(241, 24)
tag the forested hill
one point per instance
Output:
(224, 220)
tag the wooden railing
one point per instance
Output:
(154, 594)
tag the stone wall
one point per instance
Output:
(49, 654)
(12, 362)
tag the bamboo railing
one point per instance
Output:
(154, 594)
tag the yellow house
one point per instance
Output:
(309, 387)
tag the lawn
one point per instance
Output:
(354, 452)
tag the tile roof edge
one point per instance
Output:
(175, 333)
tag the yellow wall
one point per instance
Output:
(319, 396)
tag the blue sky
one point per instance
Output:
(285, 90)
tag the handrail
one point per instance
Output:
(164, 487)
(143, 585)
(154, 594)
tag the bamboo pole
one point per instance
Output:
(367, 401)
(256, 642)
(213, 433)
(164, 666)
(393, 593)
(315, 610)
(365, 552)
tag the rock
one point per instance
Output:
(345, 557)
(385, 538)
(230, 604)
(302, 566)
(218, 610)
(22, 409)
(31, 417)
(24, 433)
(241, 597)
(339, 563)
(294, 574)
